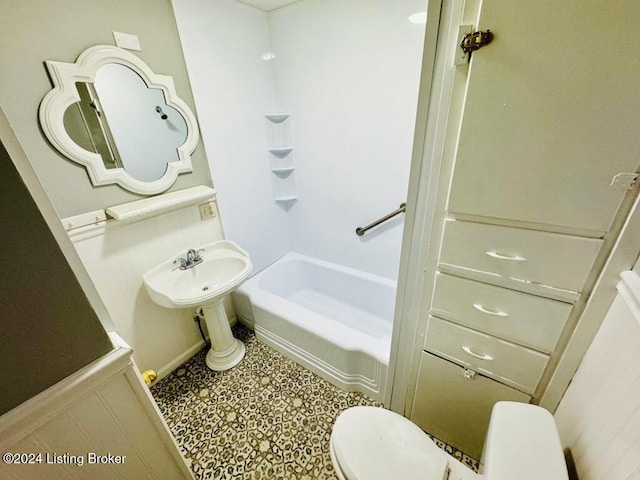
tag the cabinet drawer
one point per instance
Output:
(525, 319)
(518, 255)
(499, 359)
(454, 408)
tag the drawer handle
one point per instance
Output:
(499, 256)
(481, 356)
(495, 313)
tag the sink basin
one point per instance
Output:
(224, 267)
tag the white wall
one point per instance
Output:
(599, 416)
(233, 87)
(349, 73)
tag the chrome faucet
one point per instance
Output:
(193, 256)
(192, 259)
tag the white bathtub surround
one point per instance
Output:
(332, 319)
(117, 255)
(348, 74)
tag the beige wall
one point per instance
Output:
(48, 329)
(38, 30)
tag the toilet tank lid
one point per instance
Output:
(372, 443)
(523, 443)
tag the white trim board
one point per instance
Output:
(629, 289)
(623, 256)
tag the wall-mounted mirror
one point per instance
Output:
(109, 112)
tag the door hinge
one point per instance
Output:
(475, 40)
(624, 180)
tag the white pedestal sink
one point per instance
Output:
(180, 283)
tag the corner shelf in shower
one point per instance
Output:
(280, 152)
(286, 199)
(280, 157)
(277, 117)
(283, 171)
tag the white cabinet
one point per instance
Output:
(502, 297)
(504, 361)
(516, 255)
(525, 212)
(545, 129)
(527, 320)
(454, 404)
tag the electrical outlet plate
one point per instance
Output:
(207, 210)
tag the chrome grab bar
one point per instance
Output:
(362, 230)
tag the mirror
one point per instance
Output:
(109, 112)
(106, 120)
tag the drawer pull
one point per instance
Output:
(495, 313)
(499, 256)
(481, 356)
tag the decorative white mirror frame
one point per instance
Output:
(65, 93)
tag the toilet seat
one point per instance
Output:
(373, 443)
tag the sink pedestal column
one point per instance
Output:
(226, 350)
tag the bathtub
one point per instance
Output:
(334, 320)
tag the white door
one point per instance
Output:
(552, 113)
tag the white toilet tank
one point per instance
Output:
(522, 443)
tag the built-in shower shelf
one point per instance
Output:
(277, 117)
(281, 152)
(286, 199)
(283, 171)
(281, 161)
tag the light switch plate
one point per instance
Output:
(127, 40)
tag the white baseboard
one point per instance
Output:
(186, 355)
(177, 361)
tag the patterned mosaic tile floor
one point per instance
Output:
(267, 418)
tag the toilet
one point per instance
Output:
(371, 443)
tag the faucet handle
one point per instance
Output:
(194, 255)
(181, 262)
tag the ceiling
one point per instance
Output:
(268, 5)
